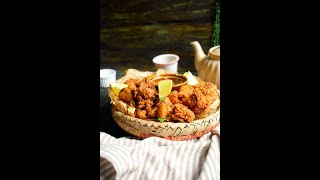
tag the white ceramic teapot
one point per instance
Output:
(207, 66)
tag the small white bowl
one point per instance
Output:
(167, 62)
(107, 76)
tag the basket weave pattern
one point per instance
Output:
(168, 130)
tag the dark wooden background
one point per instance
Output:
(132, 32)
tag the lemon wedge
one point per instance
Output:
(116, 87)
(191, 80)
(164, 87)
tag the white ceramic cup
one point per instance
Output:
(167, 62)
(107, 76)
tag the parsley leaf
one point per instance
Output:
(161, 120)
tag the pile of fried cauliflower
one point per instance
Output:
(140, 99)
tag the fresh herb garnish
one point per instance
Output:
(161, 99)
(161, 120)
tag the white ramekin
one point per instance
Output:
(107, 76)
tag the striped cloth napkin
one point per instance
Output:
(157, 158)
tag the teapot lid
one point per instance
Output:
(214, 53)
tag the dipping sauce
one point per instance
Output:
(177, 80)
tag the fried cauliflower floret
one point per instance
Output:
(141, 114)
(182, 113)
(133, 84)
(174, 97)
(145, 104)
(199, 102)
(152, 113)
(203, 97)
(165, 108)
(184, 93)
(146, 114)
(147, 91)
(209, 90)
(125, 95)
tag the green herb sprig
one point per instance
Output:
(161, 120)
(216, 33)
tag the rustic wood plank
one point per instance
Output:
(133, 32)
(154, 36)
(123, 13)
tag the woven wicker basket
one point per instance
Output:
(167, 130)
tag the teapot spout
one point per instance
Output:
(199, 54)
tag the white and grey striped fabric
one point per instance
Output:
(157, 158)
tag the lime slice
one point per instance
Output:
(164, 87)
(116, 87)
(191, 79)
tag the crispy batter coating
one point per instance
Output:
(182, 113)
(184, 93)
(202, 101)
(152, 113)
(165, 108)
(147, 91)
(210, 90)
(146, 114)
(125, 95)
(145, 104)
(142, 114)
(133, 84)
(174, 97)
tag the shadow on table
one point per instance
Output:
(107, 124)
